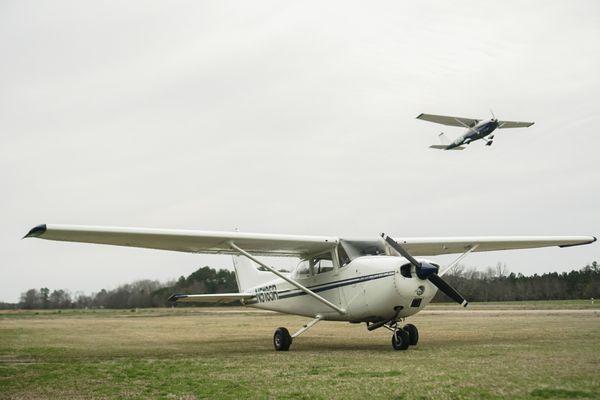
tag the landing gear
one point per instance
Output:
(400, 339)
(282, 339)
(489, 143)
(413, 334)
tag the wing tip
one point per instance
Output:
(36, 231)
(176, 296)
(419, 116)
(594, 238)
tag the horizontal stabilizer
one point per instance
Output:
(209, 298)
(443, 147)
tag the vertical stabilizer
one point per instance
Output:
(444, 139)
(247, 273)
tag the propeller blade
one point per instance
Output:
(429, 274)
(492, 112)
(447, 289)
(400, 250)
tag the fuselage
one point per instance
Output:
(479, 131)
(369, 288)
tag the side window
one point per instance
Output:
(303, 268)
(323, 266)
(322, 263)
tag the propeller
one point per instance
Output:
(425, 270)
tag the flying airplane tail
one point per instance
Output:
(248, 275)
(444, 139)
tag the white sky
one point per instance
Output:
(297, 118)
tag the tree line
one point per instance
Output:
(492, 284)
(139, 294)
(497, 284)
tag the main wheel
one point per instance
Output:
(282, 339)
(400, 339)
(413, 334)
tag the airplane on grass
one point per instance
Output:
(476, 129)
(376, 281)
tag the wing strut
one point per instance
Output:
(463, 255)
(285, 278)
(470, 128)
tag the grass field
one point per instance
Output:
(495, 350)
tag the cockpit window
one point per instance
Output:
(315, 265)
(343, 257)
(303, 268)
(323, 265)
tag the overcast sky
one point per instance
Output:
(298, 118)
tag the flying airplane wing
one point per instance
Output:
(283, 245)
(448, 120)
(449, 245)
(188, 241)
(210, 298)
(513, 124)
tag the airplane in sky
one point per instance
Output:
(476, 129)
(377, 281)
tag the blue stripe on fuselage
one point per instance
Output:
(284, 294)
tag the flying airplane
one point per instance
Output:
(476, 129)
(377, 281)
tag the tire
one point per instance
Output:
(413, 334)
(400, 340)
(282, 339)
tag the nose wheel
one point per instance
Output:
(404, 337)
(400, 339)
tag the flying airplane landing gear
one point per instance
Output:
(282, 340)
(489, 143)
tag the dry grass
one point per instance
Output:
(205, 353)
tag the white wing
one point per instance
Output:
(188, 241)
(448, 120)
(449, 245)
(513, 124)
(284, 245)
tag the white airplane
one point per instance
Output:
(376, 281)
(476, 129)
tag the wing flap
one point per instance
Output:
(209, 298)
(451, 245)
(513, 124)
(206, 242)
(448, 120)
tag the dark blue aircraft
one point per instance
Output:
(476, 129)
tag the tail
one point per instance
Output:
(444, 139)
(248, 275)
